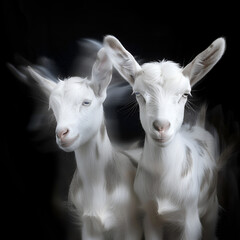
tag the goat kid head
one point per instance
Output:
(77, 103)
(162, 88)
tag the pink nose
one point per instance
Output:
(62, 133)
(161, 125)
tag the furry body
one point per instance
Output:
(101, 190)
(177, 174)
(177, 184)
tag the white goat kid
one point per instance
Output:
(102, 186)
(177, 174)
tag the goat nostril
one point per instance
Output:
(161, 125)
(156, 125)
(65, 132)
(62, 133)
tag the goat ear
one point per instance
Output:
(122, 60)
(101, 73)
(204, 61)
(45, 84)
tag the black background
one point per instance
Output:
(35, 177)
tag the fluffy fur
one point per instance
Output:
(177, 174)
(101, 190)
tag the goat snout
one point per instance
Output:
(62, 133)
(161, 125)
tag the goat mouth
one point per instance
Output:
(162, 140)
(68, 143)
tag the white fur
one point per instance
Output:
(102, 186)
(177, 173)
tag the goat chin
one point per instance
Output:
(162, 142)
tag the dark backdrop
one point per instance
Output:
(36, 178)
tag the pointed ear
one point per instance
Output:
(45, 84)
(101, 73)
(204, 61)
(122, 60)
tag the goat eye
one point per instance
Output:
(86, 103)
(140, 98)
(185, 95)
(138, 94)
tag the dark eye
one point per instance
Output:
(185, 95)
(86, 103)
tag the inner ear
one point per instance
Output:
(122, 60)
(204, 61)
(101, 73)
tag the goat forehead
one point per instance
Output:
(72, 89)
(165, 75)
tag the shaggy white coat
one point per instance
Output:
(102, 186)
(177, 174)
